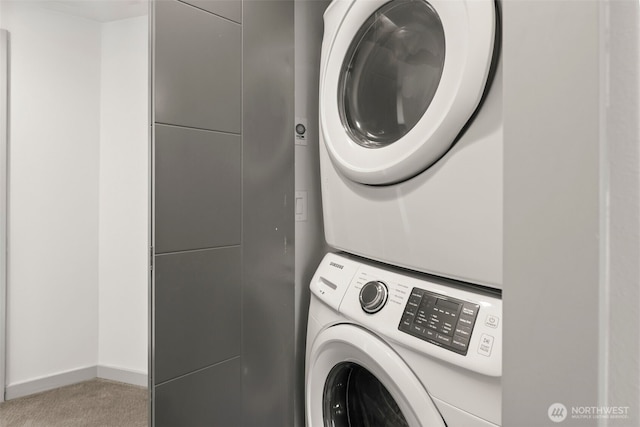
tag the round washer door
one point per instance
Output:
(355, 379)
(401, 78)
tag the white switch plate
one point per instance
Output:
(301, 206)
(301, 130)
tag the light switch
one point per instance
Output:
(301, 205)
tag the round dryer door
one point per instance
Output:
(354, 379)
(400, 79)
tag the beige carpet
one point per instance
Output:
(98, 403)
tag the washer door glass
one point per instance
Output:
(354, 397)
(391, 72)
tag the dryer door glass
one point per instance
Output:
(391, 72)
(353, 397)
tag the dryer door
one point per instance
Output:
(400, 80)
(355, 379)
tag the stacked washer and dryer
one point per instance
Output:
(405, 319)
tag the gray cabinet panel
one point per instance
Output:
(230, 9)
(210, 397)
(197, 306)
(197, 68)
(552, 213)
(197, 189)
(268, 228)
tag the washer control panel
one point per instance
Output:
(444, 319)
(441, 320)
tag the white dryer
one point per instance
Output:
(411, 134)
(392, 349)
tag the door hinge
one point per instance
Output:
(151, 258)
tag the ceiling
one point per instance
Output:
(100, 10)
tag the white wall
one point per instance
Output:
(77, 292)
(53, 202)
(310, 244)
(123, 253)
(621, 296)
(572, 230)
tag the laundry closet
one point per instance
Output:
(245, 205)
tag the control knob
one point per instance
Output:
(373, 296)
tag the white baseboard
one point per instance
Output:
(49, 383)
(72, 377)
(123, 375)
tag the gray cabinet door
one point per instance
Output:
(197, 300)
(197, 189)
(196, 216)
(197, 63)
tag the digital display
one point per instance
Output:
(450, 306)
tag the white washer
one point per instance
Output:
(391, 349)
(411, 134)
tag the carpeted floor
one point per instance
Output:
(95, 403)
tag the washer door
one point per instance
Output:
(355, 379)
(400, 80)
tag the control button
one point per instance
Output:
(492, 321)
(430, 334)
(447, 329)
(486, 344)
(465, 321)
(463, 331)
(405, 323)
(470, 310)
(415, 299)
(417, 329)
(460, 344)
(443, 339)
(417, 292)
(461, 339)
(412, 308)
(373, 296)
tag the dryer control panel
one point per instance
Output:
(441, 320)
